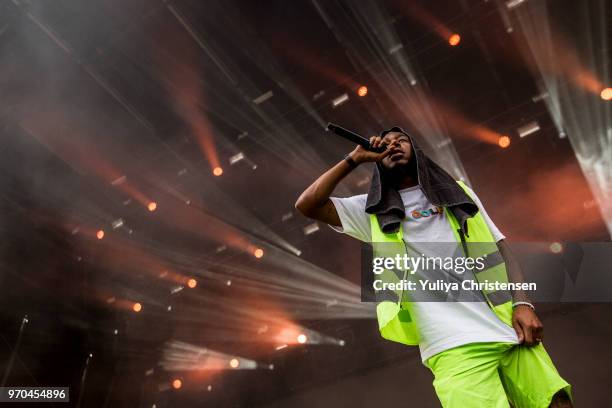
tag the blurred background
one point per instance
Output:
(152, 152)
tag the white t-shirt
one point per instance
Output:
(441, 325)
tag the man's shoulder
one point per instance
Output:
(360, 197)
(355, 198)
(359, 200)
(355, 203)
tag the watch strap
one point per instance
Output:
(350, 161)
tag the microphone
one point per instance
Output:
(354, 137)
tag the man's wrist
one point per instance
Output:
(523, 303)
(350, 161)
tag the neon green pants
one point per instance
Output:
(495, 375)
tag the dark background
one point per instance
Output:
(95, 90)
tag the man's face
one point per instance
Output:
(401, 153)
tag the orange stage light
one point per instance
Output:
(454, 40)
(234, 363)
(503, 142)
(606, 94)
(176, 384)
(152, 206)
(258, 253)
(301, 338)
(217, 171)
(100, 234)
(362, 91)
(137, 307)
(192, 283)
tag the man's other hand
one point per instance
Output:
(529, 328)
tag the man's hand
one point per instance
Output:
(529, 329)
(361, 155)
(315, 203)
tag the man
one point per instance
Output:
(482, 354)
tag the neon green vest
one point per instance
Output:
(394, 316)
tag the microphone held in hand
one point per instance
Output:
(354, 137)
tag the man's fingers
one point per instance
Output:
(519, 331)
(384, 154)
(376, 141)
(528, 332)
(538, 333)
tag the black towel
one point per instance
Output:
(438, 186)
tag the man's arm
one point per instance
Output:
(529, 329)
(314, 202)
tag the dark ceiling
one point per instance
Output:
(93, 91)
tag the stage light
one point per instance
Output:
(217, 171)
(152, 206)
(192, 283)
(311, 228)
(540, 97)
(234, 363)
(209, 388)
(228, 283)
(362, 91)
(454, 40)
(176, 384)
(236, 158)
(514, 3)
(282, 346)
(340, 100)
(100, 234)
(137, 307)
(503, 141)
(301, 338)
(263, 97)
(118, 181)
(606, 94)
(556, 247)
(528, 129)
(396, 48)
(258, 253)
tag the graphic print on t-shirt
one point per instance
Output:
(416, 214)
